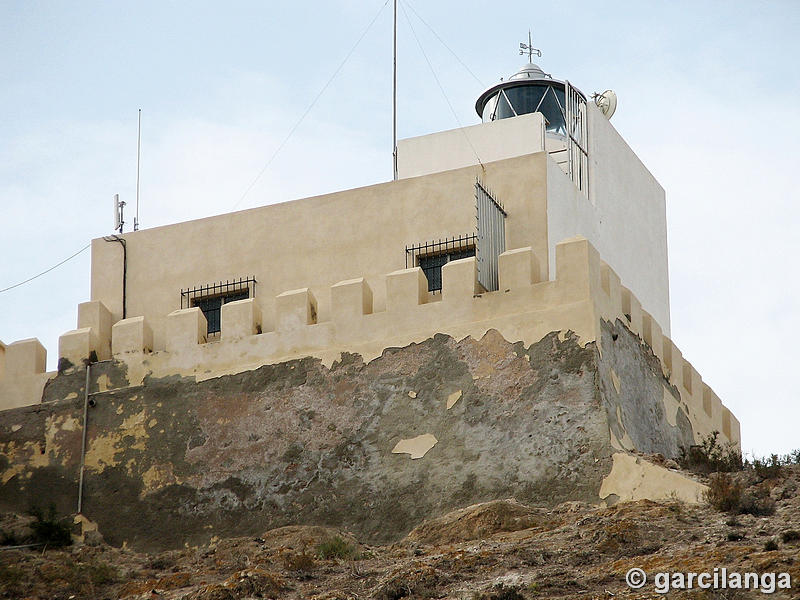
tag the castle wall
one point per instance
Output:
(374, 447)
(315, 242)
(585, 292)
(539, 391)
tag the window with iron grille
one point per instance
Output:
(432, 256)
(209, 298)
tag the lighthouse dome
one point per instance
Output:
(528, 90)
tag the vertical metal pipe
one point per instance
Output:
(83, 438)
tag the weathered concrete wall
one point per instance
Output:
(645, 411)
(175, 461)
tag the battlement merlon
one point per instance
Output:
(525, 308)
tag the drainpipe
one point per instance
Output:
(83, 439)
(116, 238)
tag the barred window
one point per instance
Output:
(432, 266)
(209, 298)
(212, 308)
(432, 256)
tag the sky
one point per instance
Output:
(240, 104)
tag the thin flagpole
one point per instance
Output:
(394, 95)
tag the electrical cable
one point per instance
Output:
(433, 31)
(310, 106)
(433, 72)
(11, 287)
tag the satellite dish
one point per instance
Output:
(606, 102)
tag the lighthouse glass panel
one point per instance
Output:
(525, 99)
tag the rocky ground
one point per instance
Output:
(501, 550)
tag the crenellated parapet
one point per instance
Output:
(527, 306)
(22, 373)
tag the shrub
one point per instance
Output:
(723, 493)
(768, 468)
(101, 573)
(790, 536)
(770, 546)
(48, 528)
(756, 505)
(298, 561)
(711, 456)
(735, 537)
(9, 538)
(336, 547)
(161, 563)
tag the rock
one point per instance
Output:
(300, 537)
(93, 538)
(479, 521)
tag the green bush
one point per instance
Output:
(336, 547)
(770, 546)
(767, 468)
(711, 456)
(48, 528)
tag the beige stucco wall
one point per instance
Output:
(315, 242)
(457, 148)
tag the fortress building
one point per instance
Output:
(493, 323)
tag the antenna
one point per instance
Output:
(138, 156)
(523, 48)
(119, 221)
(394, 95)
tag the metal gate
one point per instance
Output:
(577, 148)
(491, 241)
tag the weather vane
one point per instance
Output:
(529, 48)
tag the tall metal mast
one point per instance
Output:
(394, 96)
(138, 156)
